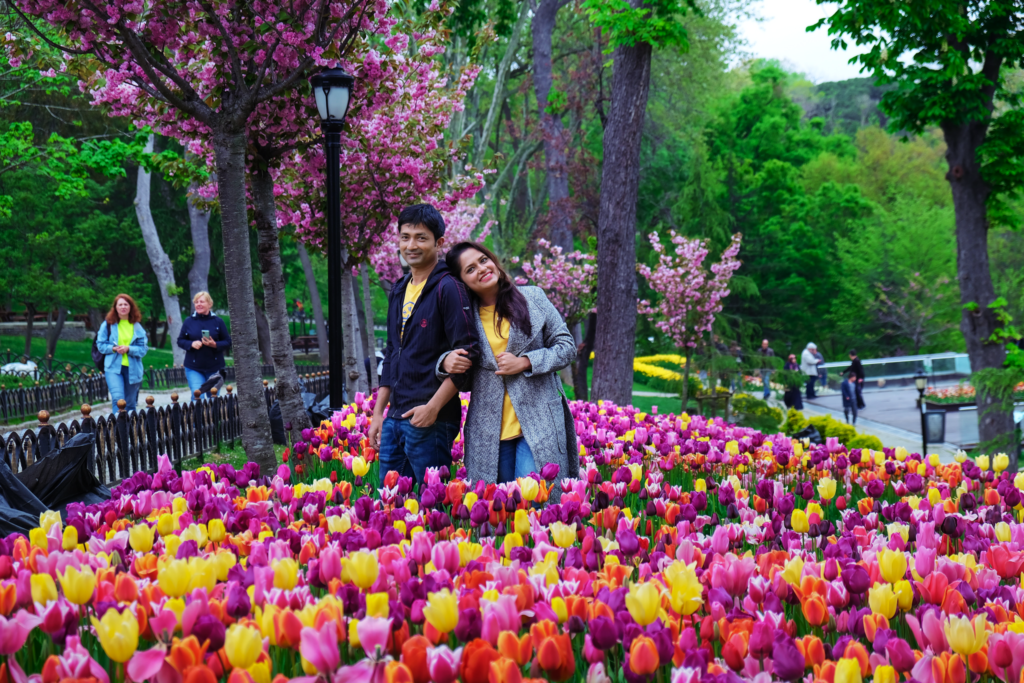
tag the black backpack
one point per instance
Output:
(97, 356)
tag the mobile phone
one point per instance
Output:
(206, 334)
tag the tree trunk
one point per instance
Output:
(314, 303)
(970, 194)
(616, 230)
(53, 331)
(162, 267)
(684, 392)
(263, 334)
(95, 319)
(355, 375)
(580, 388)
(499, 86)
(556, 167)
(358, 292)
(371, 349)
(286, 377)
(229, 148)
(199, 223)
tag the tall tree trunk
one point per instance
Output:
(162, 267)
(314, 304)
(555, 162)
(371, 349)
(499, 86)
(286, 377)
(53, 330)
(229, 148)
(199, 223)
(354, 305)
(359, 291)
(970, 194)
(354, 372)
(616, 230)
(30, 320)
(263, 334)
(579, 376)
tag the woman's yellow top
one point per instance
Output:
(125, 330)
(498, 339)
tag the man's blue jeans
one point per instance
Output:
(411, 450)
(515, 460)
(766, 378)
(195, 379)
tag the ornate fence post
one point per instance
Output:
(89, 427)
(151, 434)
(215, 405)
(175, 435)
(122, 449)
(231, 404)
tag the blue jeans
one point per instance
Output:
(411, 450)
(766, 377)
(195, 379)
(515, 460)
(118, 386)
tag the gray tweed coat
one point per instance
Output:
(536, 396)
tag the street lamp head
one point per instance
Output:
(920, 381)
(332, 88)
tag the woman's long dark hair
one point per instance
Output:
(511, 304)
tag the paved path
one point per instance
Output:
(160, 398)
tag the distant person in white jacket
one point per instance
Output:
(809, 366)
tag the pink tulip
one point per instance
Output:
(445, 555)
(330, 564)
(320, 648)
(734, 574)
(14, 632)
(421, 548)
(443, 663)
(685, 674)
(373, 633)
(596, 673)
(500, 615)
(76, 662)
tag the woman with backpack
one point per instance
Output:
(122, 341)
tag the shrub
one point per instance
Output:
(795, 422)
(865, 441)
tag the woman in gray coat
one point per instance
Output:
(518, 419)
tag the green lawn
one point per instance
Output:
(76, 352)
(236, 456)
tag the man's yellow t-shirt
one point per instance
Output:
(412, 295)
(498, 339)
(124, 337)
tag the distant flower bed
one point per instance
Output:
(961, 393)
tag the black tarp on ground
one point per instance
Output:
(19, 507)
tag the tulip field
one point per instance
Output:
(688, 550)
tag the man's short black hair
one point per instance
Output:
(424, 214)
(853, 352)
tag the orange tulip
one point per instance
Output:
(555, 656)
(643, 656)
(476, 661)
(953, 602)
(287, 628)
(49, 673)
(187, 653)
(8, 595)
(518, 649)
(145, 566)
(812, 649)
(815, 610)
(956, 672)
(504, 670)
(933, 588)
(873, 622)
(199, 674)
(125, 588)
(397, 672)
(855, 650)
(414, 655)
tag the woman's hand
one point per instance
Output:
(457, 362)
(121, 349)
(197, 344)
(209, 341)
(510, 364)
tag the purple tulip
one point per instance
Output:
(208, 628)
(470, 625)
(549, 471)
(789, 664)
(900, 654)
(603, 633)
(238, 603)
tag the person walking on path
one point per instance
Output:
(857, 370)
(766, 371)
(809, 366)
(792, 397)
(428, 313)
(849, 398)
(204, 336)
(122, 341)
(519, 420)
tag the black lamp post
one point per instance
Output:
(332, 88)
(921, 382)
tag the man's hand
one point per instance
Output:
(373, 436)
(510, 364)
(457, 362)
(197, 344)
(421, 416)
(209, 341)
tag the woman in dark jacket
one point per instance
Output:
(204, 337)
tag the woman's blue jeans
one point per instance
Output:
(119, 387)
(195, 379)
(515, 460)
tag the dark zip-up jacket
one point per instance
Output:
(856, 369)
(440, 321)
(205, 358)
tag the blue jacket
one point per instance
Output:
(106, 340)
(205, 358)
(440, 321)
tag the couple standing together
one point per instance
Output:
(438, 316)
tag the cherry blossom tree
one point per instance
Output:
(203, 67)
(691, 293)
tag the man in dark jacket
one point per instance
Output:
(428, 312)
(857, 370)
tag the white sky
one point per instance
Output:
(781, 35)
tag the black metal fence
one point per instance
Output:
(130, 442)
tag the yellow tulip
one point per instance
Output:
(901, 529)
(793, 571)
(687, 594)
(1018, 481)
(286, 574)
(218, 532)
(982, 462)
(243, 645)
(469, 552)
(799, 521)
(904, 595)
(171, 545)
(362, 569)
(140, 537)
(700, 485)
(167, 524)
(43, 588)
(960, 456)
(377, 605)
(512, 540)
(78, 585)
(933, 460)
(848, 671)
(901, 453)
(522, 522)
(173, 578)
(442, 610)
(202, 573)
(48, 519)
(528, 486)
(195, 532)
(827, 488)
(177, 605)
(1000, 462)
(359, 466)
(885, 674)
(564, 535)
(38, 538)
(412, 506)
(1002, 532)
(70, 540)
(963, 639)
(224, 561)
(893, 565)
(643, 602)
(882, 600)
(118, 634)
(560, 609)
(934, 496)
(338, 524)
